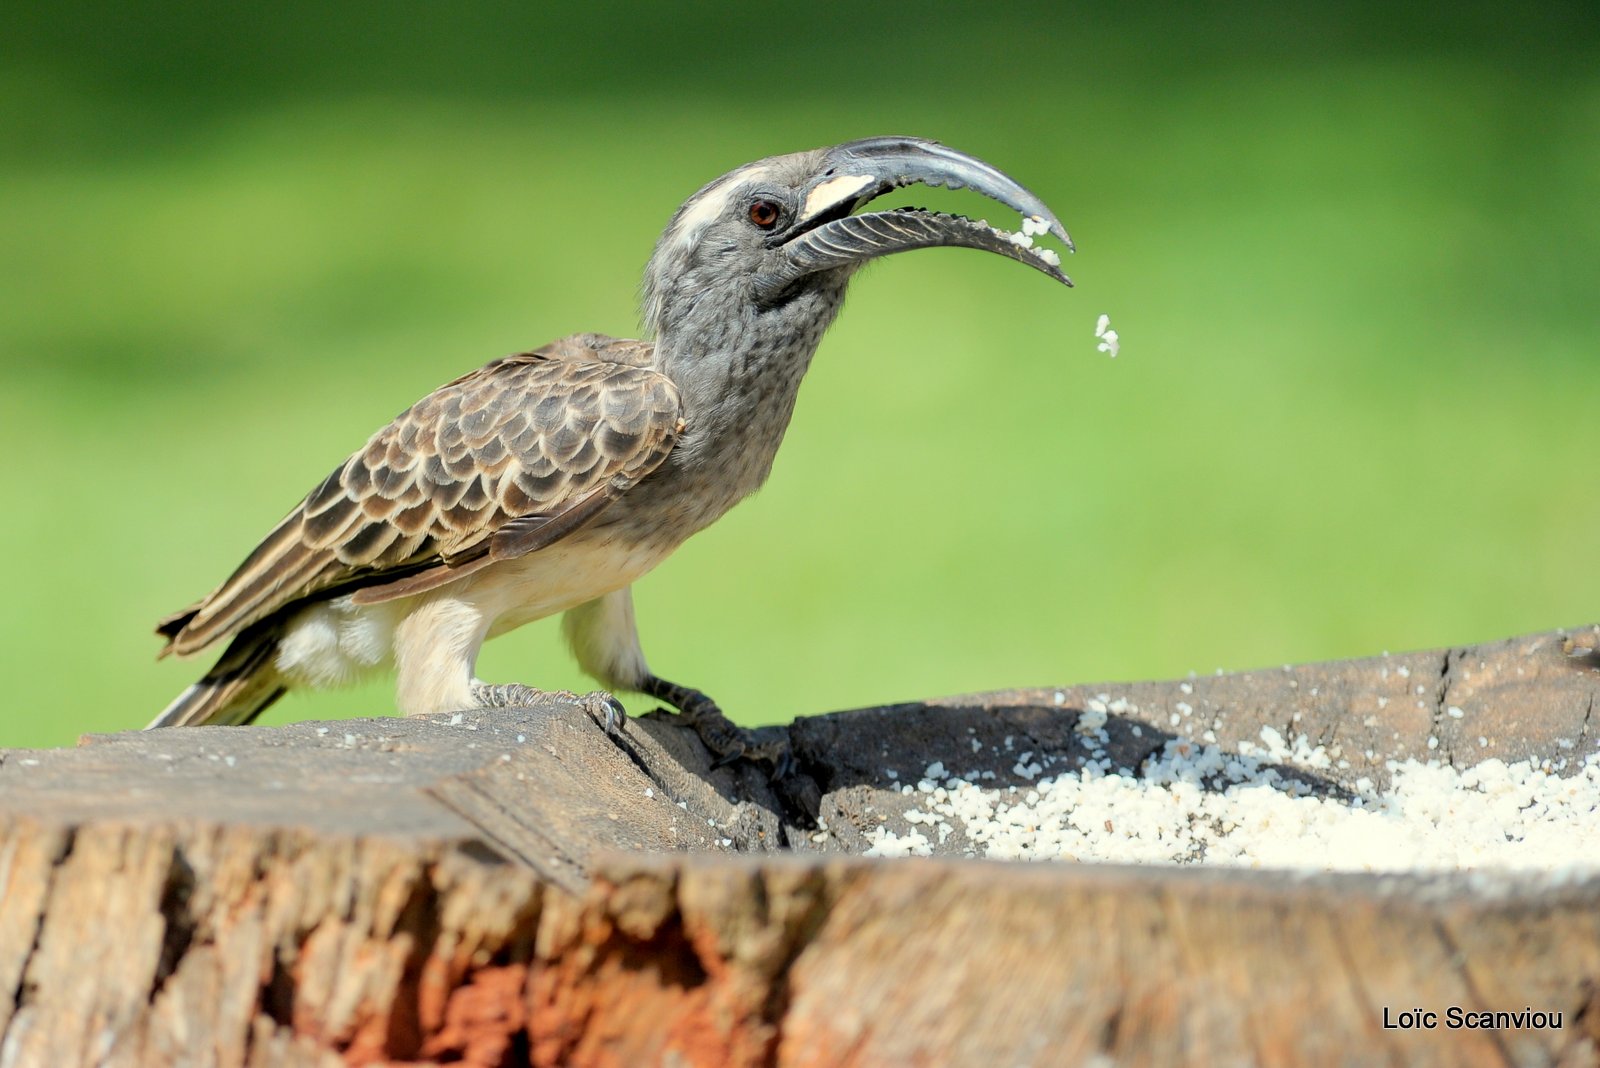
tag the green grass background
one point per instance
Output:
(1353, 252)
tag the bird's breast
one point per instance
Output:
(590, 564)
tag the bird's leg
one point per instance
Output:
(726, 740)
(599, 704)
(605, 639)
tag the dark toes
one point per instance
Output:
(729, 756)
(783, 762)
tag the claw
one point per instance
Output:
(606, 708)
(784, 763)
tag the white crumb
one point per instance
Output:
(1193, 803)
(1108, 337)
(1033, 226)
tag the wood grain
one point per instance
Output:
(516, 887)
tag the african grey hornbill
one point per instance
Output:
(549, 481)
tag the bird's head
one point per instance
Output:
(781, 235)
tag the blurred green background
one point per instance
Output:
(1352, 251)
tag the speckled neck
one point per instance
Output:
(738, 369)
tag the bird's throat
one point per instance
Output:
(739, 378)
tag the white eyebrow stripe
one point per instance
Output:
(710, 204)
(705, 210)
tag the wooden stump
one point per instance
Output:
(515, 887)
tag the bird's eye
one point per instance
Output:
(764, 213)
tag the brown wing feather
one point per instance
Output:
(498, 463)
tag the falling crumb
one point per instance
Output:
(1454, 713)
(1033, 225)
(1109, 342)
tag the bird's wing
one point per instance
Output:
(499, 463)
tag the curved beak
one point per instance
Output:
(826, 234)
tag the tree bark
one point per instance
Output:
(516, 887)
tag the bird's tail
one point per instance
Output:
(236, 690)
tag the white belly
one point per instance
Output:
(432, 639)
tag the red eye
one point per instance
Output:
(764, 213)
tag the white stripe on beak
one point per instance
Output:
(834, 192)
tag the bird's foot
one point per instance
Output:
(727, 741)
(599, 705)
(797, 792)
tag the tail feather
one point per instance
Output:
(171, 626)
(235, 691)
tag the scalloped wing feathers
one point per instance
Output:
(496, 464)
